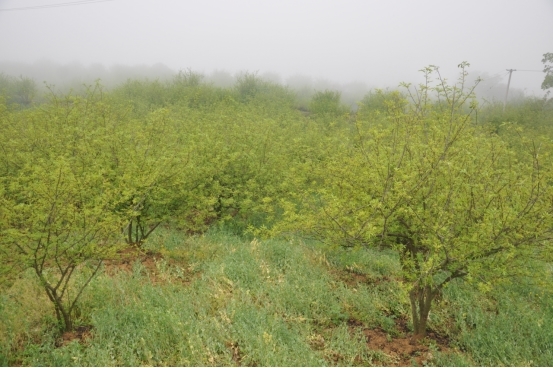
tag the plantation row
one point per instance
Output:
(458, 190)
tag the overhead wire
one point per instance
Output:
(58, 5)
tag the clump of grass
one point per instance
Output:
(349, 348)
(266, 339)
(510, 325)
(26, 315)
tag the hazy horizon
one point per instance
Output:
(375, 43)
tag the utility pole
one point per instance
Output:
(508, 84)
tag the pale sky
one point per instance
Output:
(380, 43)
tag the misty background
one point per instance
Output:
(352, 46)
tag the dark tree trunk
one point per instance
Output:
(62, 314)
(141, 231)
(420, 295)
(421, 298)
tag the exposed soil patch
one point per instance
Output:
(81, 333)
(158, 269)
(402, 350)
(236, 353)
(125, 259)
(353, 278)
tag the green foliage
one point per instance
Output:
(19, 91)
(250, 88)
(143, 95)
(95, 165)
(327, 103)
(188, 88)
(151, 177)
(532, 115)
(58, 214)
(188, 78)
(378, 103)
(249, 85)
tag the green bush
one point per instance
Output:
(327, 103)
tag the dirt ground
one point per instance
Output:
(402, 350)
(127, 257)
(82, 334)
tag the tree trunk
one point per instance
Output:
(129, 232)
(67, 320)
(62, 314)
(421, 300)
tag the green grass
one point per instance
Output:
(512, 325)
(221, 300)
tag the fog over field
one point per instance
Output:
(352, 45)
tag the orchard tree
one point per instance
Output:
(58, 222)
(58, 216)
(548, 70)
(148, 165)
(453, 199)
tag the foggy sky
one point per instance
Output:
(380, 43)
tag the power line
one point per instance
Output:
(58, 5)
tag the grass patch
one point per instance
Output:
(222, 300)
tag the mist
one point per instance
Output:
(351, 46)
